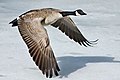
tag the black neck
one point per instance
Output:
(67, 13)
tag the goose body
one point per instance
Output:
(31, 27)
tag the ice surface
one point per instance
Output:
(101, 62)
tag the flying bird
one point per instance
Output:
(31, 27)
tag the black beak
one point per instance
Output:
(83, 13)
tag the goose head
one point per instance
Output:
(79, 12)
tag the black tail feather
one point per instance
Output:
(14, 22)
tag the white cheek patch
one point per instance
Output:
(77, 13)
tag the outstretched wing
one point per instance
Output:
(36, 38)
(67, 26)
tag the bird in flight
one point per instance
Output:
(31, 27)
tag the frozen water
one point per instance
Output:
(101, 62)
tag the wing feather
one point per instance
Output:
(36, 38)
(67, 26)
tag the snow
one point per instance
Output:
(101, 62)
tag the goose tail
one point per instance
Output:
(14, 22)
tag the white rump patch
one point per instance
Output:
(18, 18)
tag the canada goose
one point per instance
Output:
(30, 26)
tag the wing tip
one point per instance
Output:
(87, 43)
